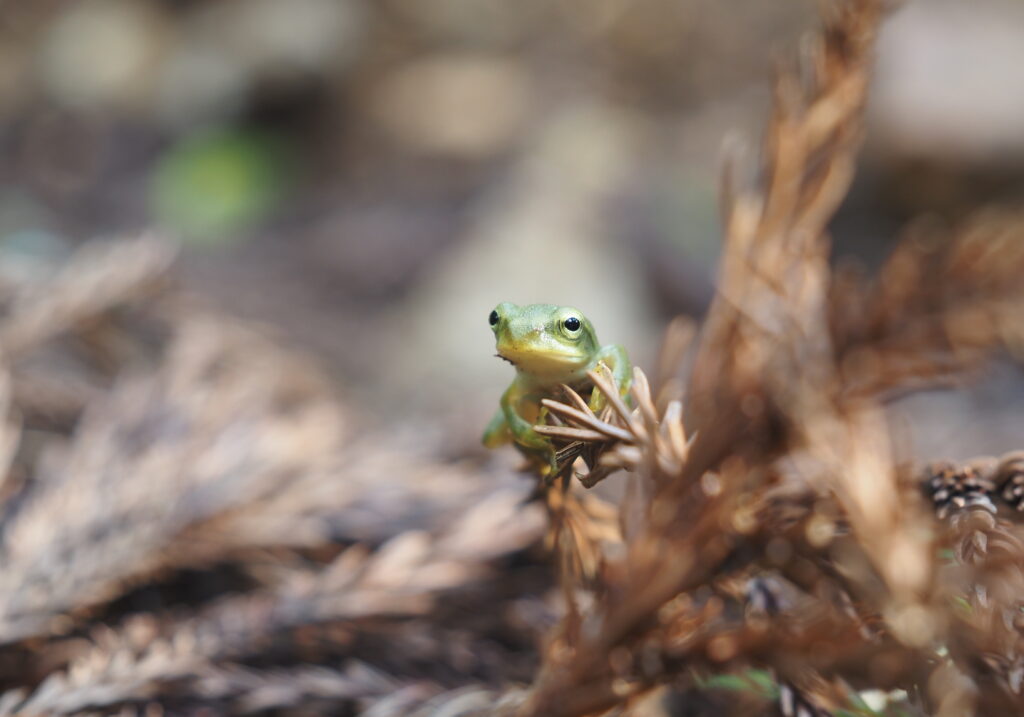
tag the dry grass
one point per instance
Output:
(191, 519)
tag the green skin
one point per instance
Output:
(549, 345)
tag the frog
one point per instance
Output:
(549, 345)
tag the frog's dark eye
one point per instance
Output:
(493, 318)
(572, 323)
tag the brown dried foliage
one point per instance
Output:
(149, 448)
(790, 475)
(156, 447)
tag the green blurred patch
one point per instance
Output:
(858, 708)
(759, 682)
(762, 684)
(211, 187)
(962, 605)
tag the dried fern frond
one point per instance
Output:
(225, 421)
(621, 437)
(468, 701)
(214, 446)
(404, 577)
(792, 464)
(942, 303)
(763, 386)
(244, 690)
(97, 278)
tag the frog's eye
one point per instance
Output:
(572, 324)
(493, 318)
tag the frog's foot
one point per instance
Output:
(553, 468)
(544, 465)
(547, 465)
(542, 461)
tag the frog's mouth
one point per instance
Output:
(539, 361)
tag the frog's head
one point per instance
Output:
(543, 339)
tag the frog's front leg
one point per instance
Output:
(616, 359)
(526, 439)
(521, 429)
(497, 431)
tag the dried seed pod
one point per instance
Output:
(952, 488)
(1010, 480)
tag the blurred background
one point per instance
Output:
(366, 179)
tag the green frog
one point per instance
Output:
(549, 345)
